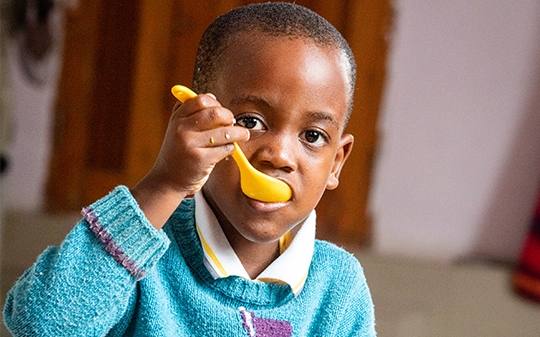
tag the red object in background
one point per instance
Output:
(526, 280)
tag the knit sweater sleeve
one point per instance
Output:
(85, 286)
(360, 307)
(348, 303)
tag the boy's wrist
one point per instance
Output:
(157, 199)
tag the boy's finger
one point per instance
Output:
(211, 118)
(195, 105)
(223, 136)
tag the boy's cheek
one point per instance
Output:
(225, 170)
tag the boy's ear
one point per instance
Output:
(343, 152)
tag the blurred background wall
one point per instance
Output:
(458, 162)
(458, 165)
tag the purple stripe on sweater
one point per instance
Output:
(264, 327)
(111, 246)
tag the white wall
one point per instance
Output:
(30, 122)
(458, 166)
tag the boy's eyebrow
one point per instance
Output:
(318, 115)
(250, 99)
(314, 115)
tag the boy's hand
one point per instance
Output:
(200, 134)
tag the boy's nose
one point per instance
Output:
(276, 154)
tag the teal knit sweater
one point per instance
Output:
(115, 275)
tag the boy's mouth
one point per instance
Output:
(262, 206)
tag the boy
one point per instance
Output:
(152, 261)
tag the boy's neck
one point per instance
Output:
(254, 256)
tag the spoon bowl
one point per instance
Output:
(254, 183)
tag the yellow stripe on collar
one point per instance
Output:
(211, 253)
(285, 242)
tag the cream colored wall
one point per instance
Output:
(458, 167)
(30, 122)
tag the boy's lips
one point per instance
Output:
(261, 206)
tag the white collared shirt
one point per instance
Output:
(291, 267)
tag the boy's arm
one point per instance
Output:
(85, 286)
(360, 305)
(354, 312)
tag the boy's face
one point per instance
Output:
(293, 96)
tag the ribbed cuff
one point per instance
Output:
(125, 232)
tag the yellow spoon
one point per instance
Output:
(254, 183)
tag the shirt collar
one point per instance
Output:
(291, 267)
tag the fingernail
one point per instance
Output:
(212, 95)
(248, 133)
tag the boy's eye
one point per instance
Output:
(251, 123)
(314, 137)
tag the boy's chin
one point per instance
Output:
(262, 233)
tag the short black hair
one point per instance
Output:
(281, 19)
